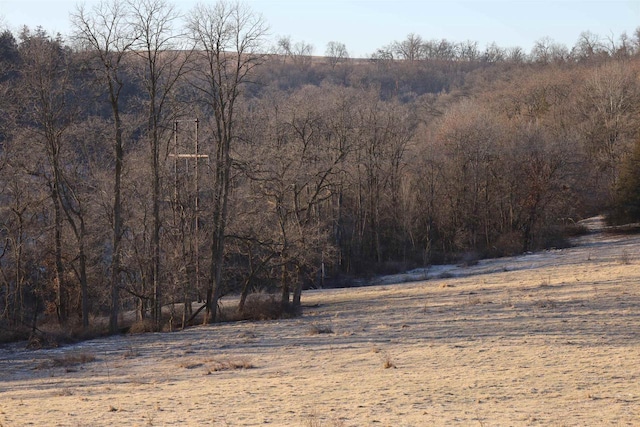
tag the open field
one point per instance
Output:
(544, 339)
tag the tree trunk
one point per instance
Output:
(117, 219)
(61, 303)
(284, 300)
(156, 308)
(297, 291)
(214, 290)
(83, 277)
(247, 282)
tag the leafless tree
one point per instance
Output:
(162, 63)
(294, 165)
(47, 89)
(469, 141)
(411, 48)
(469, 50)
(300, 52)
(516, 55)
(546, 50)
(608, 107)
(385, 130)
(441, 49)
(106, 35)
(494, 53)
(588, 46)
(229, 38)
(336, 53)
(22, 228)
(284, 47)
(622, 49)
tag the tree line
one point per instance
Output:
(152, 159)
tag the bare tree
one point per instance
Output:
(411, 48)
(163, 61)
(608, 108)
(588, 46)
(468, 138)
(47, 89)
(546, 50)
(284, 47)
(515, 55)
(106, 35)
(440, 49)
(229, 38)
(336, 53)
(622, 49)
(494, 53)
(469, 50)
(383, 55)
(301, 53)
(385, 129)
(22, 227)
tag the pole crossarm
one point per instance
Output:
(189, 156)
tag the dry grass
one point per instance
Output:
(131, 353)
(527, 355)
(230, 365)
(68, 360)
(545, 303)
(387, 360)
(474, 300)
(64, 392)
(315, 420)
(316, 329)
(73, 359)
(625, 258)
(217, 364)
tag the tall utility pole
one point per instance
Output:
(196, 156)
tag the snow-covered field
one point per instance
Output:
(550, 338)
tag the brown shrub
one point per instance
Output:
(142, 326)
(257, 307)
(13, 334)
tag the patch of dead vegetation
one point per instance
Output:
(69, 360)
(258, 306)
(230, 364)
(317, 329)
(387, 360)
(316, 420)
(217, 364)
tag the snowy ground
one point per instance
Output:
(550, 338)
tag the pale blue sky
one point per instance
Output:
(365, 25)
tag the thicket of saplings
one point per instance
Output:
(148, 170)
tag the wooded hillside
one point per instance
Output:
(144, 164)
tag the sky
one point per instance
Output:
(366, 25)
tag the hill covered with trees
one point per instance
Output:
(143, 164)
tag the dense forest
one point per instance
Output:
(152, 160)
